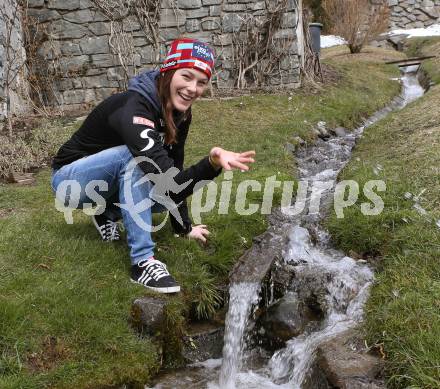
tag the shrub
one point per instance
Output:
(357, 21)
(319, 14)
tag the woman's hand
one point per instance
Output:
(229, 160)
(199, 232)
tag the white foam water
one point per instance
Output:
(242, 297)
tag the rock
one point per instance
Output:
(84, 4)
(84, 16)
(258, 6)
(75, 64)
(432, 12)
(147, 314)
(189, 4)
(323, 133)
(347, 365)
(289, 147)
(231, 23)
(398, 41)
(105, 60)
(288, 20)
(339, 131)
(21, 178)
(204, 341)
(63, 29)
(215, 10)
(170, 34)
(44, 15)
(172, 18)
(285, 319)
(197, 13)
(211, 24)
(234, 7)
(223, 39)
(35, 3)
(211, 2)
(95, 45)
(281, 276)
(70, 49)
(192, 25)
(315, 379)
(63, 4)
(100, 28)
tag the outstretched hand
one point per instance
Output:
(199, 232)
(229, 160)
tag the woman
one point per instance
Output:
(131, 146)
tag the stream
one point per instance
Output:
(342, 282)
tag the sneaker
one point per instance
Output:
(154, 275)
(108, 229)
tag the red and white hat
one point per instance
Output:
(189, 53)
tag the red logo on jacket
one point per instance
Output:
(144, 121)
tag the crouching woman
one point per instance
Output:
(131, 147)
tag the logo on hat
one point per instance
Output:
(169, 64)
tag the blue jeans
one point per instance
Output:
(116, 180)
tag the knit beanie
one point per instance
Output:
(189, 53)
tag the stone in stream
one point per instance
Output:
(285, 319)
(347, 365)
(339, 131)
(147, 314)
(203, 341)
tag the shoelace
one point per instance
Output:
(111, 230)
(155, 269)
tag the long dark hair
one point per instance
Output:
(163, 89)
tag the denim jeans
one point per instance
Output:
(112, 168)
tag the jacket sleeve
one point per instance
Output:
(137, 128)
(177, 153)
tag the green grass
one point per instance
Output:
(403, 312)
(65, 296)
(418, 47)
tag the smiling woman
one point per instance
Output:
(186, 86)
(127, 158)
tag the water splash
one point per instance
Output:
(242, 297)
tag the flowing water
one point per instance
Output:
(346, 281)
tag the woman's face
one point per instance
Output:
(186, 86)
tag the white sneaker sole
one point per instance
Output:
(170, 289)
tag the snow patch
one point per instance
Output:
(332, 40)
(433, 30)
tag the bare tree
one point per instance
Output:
(13, 57)
(357, 21)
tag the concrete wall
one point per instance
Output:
(414, 13)
(81, 53)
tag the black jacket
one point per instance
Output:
(134, 118)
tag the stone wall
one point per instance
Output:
(414, 13)
(12, 57)
(88, 60)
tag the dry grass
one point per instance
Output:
(368, 54)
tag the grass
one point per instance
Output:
(65, 296)
(427, 46)
(403, 312)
